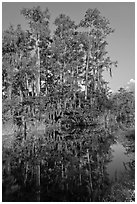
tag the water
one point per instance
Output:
(119, 158)
(74, 165)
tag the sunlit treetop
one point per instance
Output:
(64, 24)
(95, 22)
(38, 20)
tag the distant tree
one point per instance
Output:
(123, 106)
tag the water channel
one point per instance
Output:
(119, 158)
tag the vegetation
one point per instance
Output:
(63, 114)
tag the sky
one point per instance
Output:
(121, 44)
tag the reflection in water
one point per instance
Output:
(116, 166)
(60, 166)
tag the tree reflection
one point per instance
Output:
(58, 166)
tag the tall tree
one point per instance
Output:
(39, 30)
(63, 49)
(8, 54)
(15, 58)
(97, 29)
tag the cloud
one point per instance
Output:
(131, 81)
(131, 85)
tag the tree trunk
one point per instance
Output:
(21, 96)
(8, 167)
(38, 181)
(38, 67)
(9, 91)
(86, 83)
(90, 178)
(87, 67)
(86, 88)
(25, 130)
(27, 86)
(26, 172)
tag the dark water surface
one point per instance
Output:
(64, 165)
(119, 158)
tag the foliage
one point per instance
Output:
(124, 107)
(62, 138)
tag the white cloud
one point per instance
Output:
(131, 81)
(131, 85)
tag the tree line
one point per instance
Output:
(63, 70)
